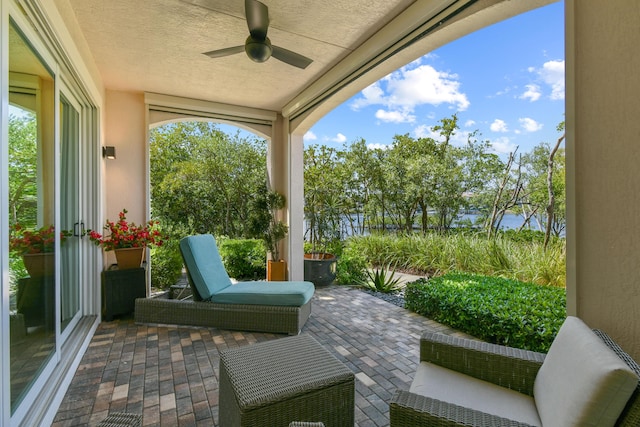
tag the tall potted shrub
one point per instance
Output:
(266, 225)
(320, 265)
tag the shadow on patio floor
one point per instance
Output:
(170, 374)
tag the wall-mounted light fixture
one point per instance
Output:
(109, 152)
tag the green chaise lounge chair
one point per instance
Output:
(261, 306)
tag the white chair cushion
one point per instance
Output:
(582, 382)
(453, 387)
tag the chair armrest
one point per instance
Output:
(505, 366)
(407, 409)
(630, 416)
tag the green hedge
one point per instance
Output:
(497, 310)
(244, 259)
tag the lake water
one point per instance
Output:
(509, 222)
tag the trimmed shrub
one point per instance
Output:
(166, 261)
(351, 268)
(244, 259)
(497, 310)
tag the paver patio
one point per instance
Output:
(169, 374)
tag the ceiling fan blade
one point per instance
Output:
(290, 57)
(257, 18)
(224, 52)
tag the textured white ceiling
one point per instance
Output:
(157, 45)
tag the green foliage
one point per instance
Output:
(166, 261)
(382, 280)
(536, 165)
(351, 267)
(263, 219)
(397, 187)
(243, 259)
(23, 170)
(436, 254)
(500, 311)
(325, 194)
(524, 235)
(204, 178)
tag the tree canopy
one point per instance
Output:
(209, 181)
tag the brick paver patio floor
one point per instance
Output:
(169, 374)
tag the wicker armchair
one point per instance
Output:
(504, 366)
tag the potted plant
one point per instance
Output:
(36, 248)
(265, 225)
(127, 239)
(320, 265)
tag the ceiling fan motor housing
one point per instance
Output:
(258, 50)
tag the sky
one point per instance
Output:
(505, 81)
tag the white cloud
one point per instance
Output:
(339, 138)
(503, 145)
(424, 131)
(469, 123)
(498, 126)
(412, 86)
(552, 75)
(504, 91)
(425, 85)
(371, 95)
(378, 146)
(309, 136)
(529, 125)
(532, 93)
(395, 116)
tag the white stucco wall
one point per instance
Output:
(125, 176)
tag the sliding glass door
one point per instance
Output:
(70, 217)
(32, 259)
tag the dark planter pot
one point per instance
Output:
(320, 268)
(120, 288)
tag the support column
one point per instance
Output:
(603, 153)
(285, 163)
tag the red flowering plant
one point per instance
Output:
(42, 240)
(125, 234)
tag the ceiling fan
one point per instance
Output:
(258, 47)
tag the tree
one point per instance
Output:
(324, 198)
(360, 171)
(205, 179)
(508, 194)
(23, 156)
(544, 176)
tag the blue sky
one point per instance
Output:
(506, 81)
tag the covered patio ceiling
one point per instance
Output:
(157, 46)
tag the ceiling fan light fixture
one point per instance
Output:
(258, 50)
(258, 46)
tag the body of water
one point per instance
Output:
(509, 222)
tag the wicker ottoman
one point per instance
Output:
(289, 379)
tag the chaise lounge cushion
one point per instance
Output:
(205, 267)
(582, 382)
(293, 294)
(212, 283)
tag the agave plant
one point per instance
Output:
(382, 280)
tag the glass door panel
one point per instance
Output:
(31, 216)
(69, 213)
